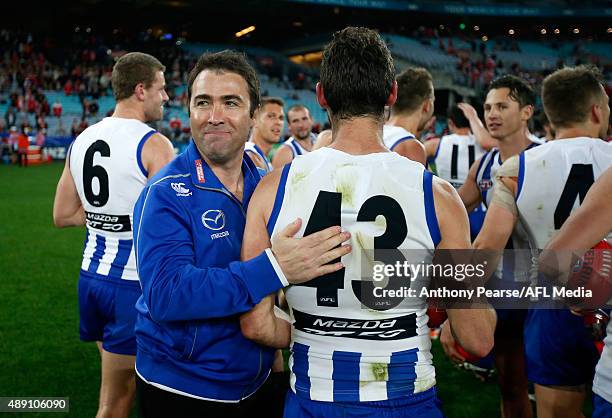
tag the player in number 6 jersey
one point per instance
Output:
(382, 359)
(106, 169)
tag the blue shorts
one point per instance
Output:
(108, 313)
(510, 323)
(601, 407)
(422, 405)
(558, 348)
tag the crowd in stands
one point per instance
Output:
(479, 59)
(39, 77)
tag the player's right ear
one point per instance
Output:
(139, 91)
(321, 96)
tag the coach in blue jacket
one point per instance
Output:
(192, 358)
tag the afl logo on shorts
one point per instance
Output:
(485, 184)
(213, 219)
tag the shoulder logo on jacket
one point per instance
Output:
(180, 190)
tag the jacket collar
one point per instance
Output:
(203, 176)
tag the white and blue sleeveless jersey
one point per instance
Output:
(295, 146)
(106, 165)
(567, 168)
(342, 350)
(395, 135)
(251, 146)
(454, 157)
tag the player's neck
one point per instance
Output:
(577, 132)
(513, 144)
(125, 109)
(261, 143)
(358, 136)
(408, 122)
(461, 131)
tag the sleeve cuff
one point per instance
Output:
(262, 276)
(276, 267)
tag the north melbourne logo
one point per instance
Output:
(214, 219)
(180, 190)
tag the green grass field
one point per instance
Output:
(40, 351)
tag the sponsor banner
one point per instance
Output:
(396, 328)
(103, 222)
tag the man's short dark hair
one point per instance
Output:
(132, 69)
(458, 117)
(297, 106)
(520, 90)
(414, 86)
(357, 74)
(269, 99)
(569, 93)
(232, 62)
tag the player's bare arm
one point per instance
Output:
(156, 153)
(484, 139)
(469, 193)
(473, 328)
(413, 150)
(283, 156)
(67, 207)
(312, 253)
(431, 147)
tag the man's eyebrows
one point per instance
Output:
(224, 97)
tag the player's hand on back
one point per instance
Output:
(303, 259)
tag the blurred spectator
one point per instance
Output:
(10, 117)
(60, 130)
(23, 144)
(57, 109)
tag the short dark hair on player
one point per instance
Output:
(297, 106)
(414, 86)
(132, 69)
(232, 62)
(269, 99)
(520, 90)
(568, 93)
(356, 74)
(458, 117)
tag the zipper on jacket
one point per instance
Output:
(226, 193)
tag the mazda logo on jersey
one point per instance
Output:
(396, 328)
(214, 219)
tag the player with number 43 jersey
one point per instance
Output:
(106, 169)
(354, 353)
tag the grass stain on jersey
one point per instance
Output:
(296, 179)
(345, 178)
(380, 371)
